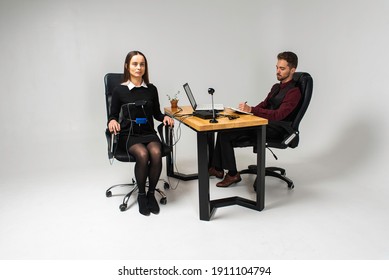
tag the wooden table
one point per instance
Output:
(205, 131)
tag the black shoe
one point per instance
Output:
(152, 203)
(142, 202)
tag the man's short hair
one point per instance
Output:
(290, 57)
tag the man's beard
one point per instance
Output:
(282, 78)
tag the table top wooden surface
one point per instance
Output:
(244, 120)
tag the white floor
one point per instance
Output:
(332, 213)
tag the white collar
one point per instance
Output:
(131, 85)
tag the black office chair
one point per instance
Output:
(115, 151)
(290, 136)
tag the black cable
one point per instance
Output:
(230, 117)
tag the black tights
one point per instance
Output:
(148, 164)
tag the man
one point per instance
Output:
(280, 104)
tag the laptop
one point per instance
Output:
(201, 110)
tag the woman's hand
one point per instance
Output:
(168, 121)
(114, 127)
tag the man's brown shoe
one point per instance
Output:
(213, 172)
(229, 180)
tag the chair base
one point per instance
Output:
(124, 205)
(277, 172)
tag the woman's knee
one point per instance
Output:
(155, 152)
(140, 153)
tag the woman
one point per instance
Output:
(138, 100)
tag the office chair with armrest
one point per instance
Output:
(290, 129)
(116, 151)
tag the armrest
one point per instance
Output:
(291, 133)
(112, 140)
(165, 147)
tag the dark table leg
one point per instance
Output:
(202, 162)
(259, 203)
(261, 157)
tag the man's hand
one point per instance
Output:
(244, 107)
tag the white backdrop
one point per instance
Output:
(54, 55)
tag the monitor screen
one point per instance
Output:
(190, 96)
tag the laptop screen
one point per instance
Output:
(190, 96)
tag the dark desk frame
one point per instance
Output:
(207, 206)
(169, 158)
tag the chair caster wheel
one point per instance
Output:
(166, 186)
(108, 193)
(163, 200)
(123, 207)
